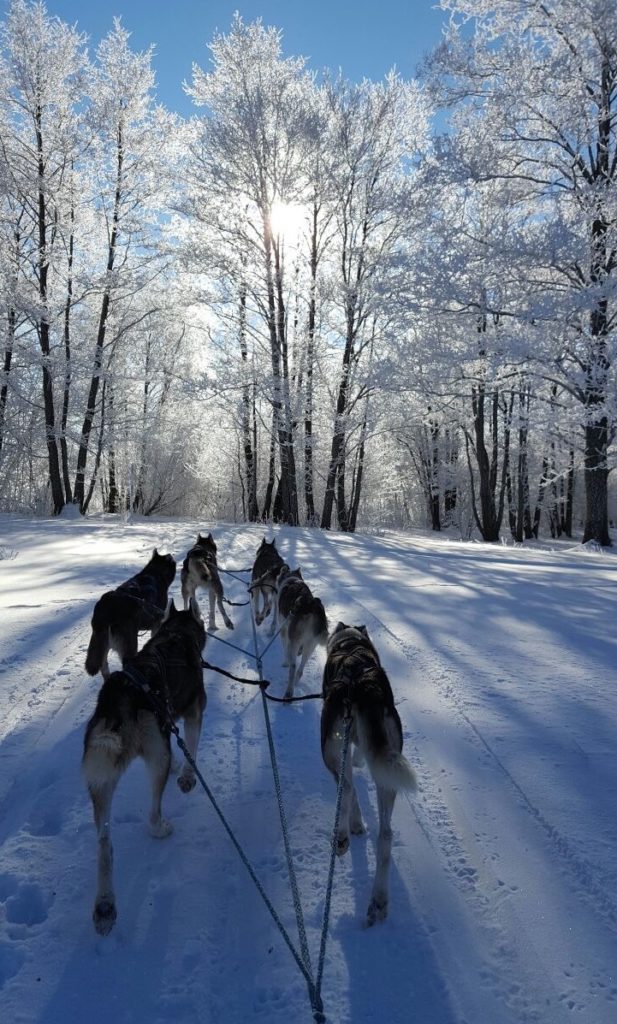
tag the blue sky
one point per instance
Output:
(363, 37)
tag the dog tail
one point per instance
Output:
(316, 608)
(99, 641)
(203, 566)
(102, 752)
(379, 741)
(392, 771)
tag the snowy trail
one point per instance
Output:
(504, 871)
(490, 877)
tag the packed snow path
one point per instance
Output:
(504, 875)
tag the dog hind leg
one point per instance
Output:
(104, 913)
(124, 641)
(157, 755)
(291, 679)
(256, 593)
(187, 588)
(332, 751)
(211, 617)
(378, 906)
(273, 603)
(192, 732)
(304, 651)
(226, 619)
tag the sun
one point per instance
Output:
(287, 221)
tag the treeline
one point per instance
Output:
(301, 306)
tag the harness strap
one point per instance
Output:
(230, 675)
(292, 700)
(262, 683)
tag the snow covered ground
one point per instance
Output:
(504, 874)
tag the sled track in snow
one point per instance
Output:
(588, 886)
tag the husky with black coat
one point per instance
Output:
(200, 569)
(263, 579)
(134, 709)
(120, 614)
(355, 684)
(302, 620)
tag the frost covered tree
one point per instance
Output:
(129, 141)
(42, 65)
(81, 198)
(538, 80)
(375, 131)
(248, 157)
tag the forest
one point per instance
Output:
(314, 302)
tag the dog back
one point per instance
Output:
(266, 563)
(201, 560)
(169, 665)
(137, 604)
(355, 681)
(294, 595)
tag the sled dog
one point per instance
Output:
(199, 569)
(354, 680)
(119, 614)
(302, 619)
(130, 721)
(263, 579)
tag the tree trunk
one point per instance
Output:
(265, 514)
(6, 369)
(569, 502)
(55, 480)
(596, 482)
(86, 429)
(309, 498)
(280, 374)
(67, 364)
(250, 453)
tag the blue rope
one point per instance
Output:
(328, 899)
(228, 643)
(279, 796)
(243, 857)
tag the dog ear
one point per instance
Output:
(154, 552)
(170, 605)
(363, 630)
(339, 626)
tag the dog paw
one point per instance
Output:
(160, 829)
(212, 627)
(358, 828)
(186, 783)
(377, 910)
(104, 916)
(342, 845)
(229, 624)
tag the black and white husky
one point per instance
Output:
(302, 620)
(200, 569)
(131, 720)
(263, 579)
(355, 682)
(120, 614)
